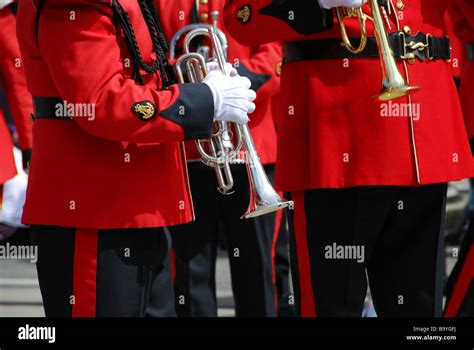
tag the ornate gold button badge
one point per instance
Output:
(278, 69)
(244, 14)
(144, 110)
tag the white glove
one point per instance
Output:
(232, 97)
(230, 70)
(329, 4)
(4, 3)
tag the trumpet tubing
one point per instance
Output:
(342, 12)
(263, 197)
(394, 84)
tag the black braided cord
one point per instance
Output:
(160, 45)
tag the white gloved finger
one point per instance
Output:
(229, 68)
(251, 95)
(239, 117)
(358, 3)
(329, 4)
(240, 82)
(243, 105)
(212, 66)
(236, 113)
(242, 94)
(246, 83)
(213, 74)
(251, 107)
(232, 97)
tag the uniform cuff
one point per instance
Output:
(193, 110)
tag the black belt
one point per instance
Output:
(470, 51)
(49, 108)
(421, 46)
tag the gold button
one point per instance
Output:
(203, 17)
(278, 69)
(203, 1)
(400, 5)
(407, 30)
(411, 58)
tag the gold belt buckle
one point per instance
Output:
(404, 45)
(427, 46)
(410, 57)
(420, 46)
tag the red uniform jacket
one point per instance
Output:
(259, 63)
(333, 134)
(457, 49)
(12, 80)
(462, 16)
(123, 167)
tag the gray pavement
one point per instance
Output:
(20, 295)
(19, 290)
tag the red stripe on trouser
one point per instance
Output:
(308, 307)
(278, 219)
(462, 285)
(85, 273)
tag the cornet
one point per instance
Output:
(393, 84)
(191, 65)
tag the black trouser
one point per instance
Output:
(392, 235)
(281, 260)
(460, 285)
(249, 244)
(104, 273)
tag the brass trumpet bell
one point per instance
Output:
(394, 84)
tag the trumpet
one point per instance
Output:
(191, 66)
(394, 84)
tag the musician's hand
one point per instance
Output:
(329, 4)
(233, 99)
(229, 68)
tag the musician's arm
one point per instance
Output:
(263, 21)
